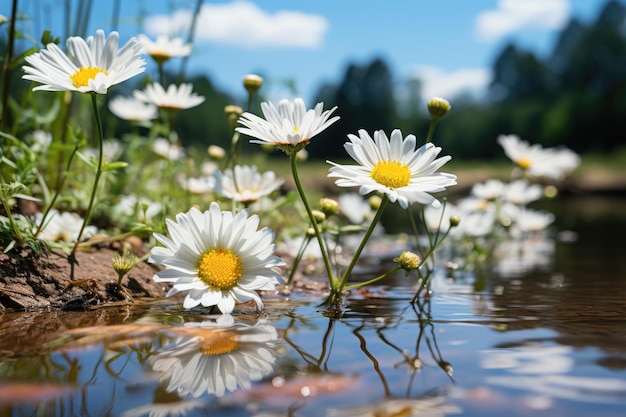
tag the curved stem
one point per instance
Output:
(368, 233)
(294, 171)
(373, 280)
(94, 190)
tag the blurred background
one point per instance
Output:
(551, 71)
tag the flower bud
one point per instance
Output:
(123, 263)
(454, 221)
(438, 107)
(252, 83)
(319, 215)
(232, 113)
(409, 261)
(374, 202)
(216, 152)
(329, 206)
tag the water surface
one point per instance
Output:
(549, 341)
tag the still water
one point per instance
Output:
(550, 341)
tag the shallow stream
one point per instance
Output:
(545, 342)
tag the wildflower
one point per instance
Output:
(217, 257)
(246, 185)
(140, 209)
(537, 161)
(490, 190)
(174, 99)
(168, 150)
(63, 227)
(91, 65)
(355, 208)
(164, 48)
(132, 109)
(290, 126)
(393, 167)
(201, 185)
(520, 192)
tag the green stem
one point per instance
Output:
(6, 80)
(373, 280)
(431, 129)
(298, 258)
(294, 170)
(94, 190)
(368, 233)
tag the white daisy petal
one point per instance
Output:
(217, 258)
(91, 66)
(393, 167)
(288, 125)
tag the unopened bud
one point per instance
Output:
(329, 206)
(216, 152)
(232, 113)
(319, 215)
(408, 261)
(252, 83)
(123, 263)
(374, 202)
(454, 221)
(438, 107)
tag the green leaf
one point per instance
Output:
(110, 166)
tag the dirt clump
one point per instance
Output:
(29, 281)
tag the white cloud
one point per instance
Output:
(439, 83)
(243, 23)
(514, 15)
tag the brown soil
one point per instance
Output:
(29, 281)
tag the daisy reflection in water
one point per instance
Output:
(218, 356)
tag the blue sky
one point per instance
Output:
(449, 44)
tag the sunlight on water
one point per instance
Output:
(542, 342)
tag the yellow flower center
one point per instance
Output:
(219, 343)
(83, 75)
(159, 56)
(220, 268)
(391, 174)
(523, 163)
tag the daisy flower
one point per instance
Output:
(247, 184)
(537, 161)
(132, 109)
(393, 167)
(167, 149)
(164, 48)
(63, 227)
(217, 257)
(216, 357)
(520, 192)
(288, 126)
(174, 99)
(90, 66)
